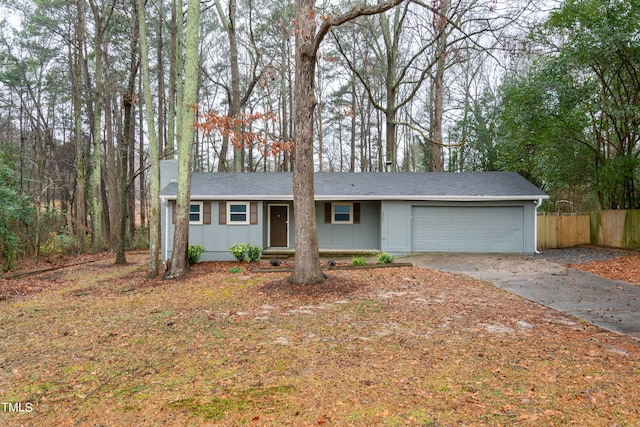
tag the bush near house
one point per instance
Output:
(359, 260)
(385, 258)
(246, 252)
(194, 254)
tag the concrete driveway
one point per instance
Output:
(609, 304)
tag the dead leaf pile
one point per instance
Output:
(626, 268)
(103, 345)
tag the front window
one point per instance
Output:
(237, 213)
(342, 213)
(195, 213)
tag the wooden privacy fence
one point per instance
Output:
(615, 228)
(563, 231)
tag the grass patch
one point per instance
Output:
(216, 407)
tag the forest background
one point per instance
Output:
(550, 90)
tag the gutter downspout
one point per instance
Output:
(165, 247)
(535, 228)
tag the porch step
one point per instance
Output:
(324, 253)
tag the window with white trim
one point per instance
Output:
(195, 213)
(342, 213)
(238, 213)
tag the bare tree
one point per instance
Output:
(101, 17)
(154, 148)
(307, 269)
(127, 139)
(238, 94)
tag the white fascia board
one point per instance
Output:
(426, 198)
(324, 198)
(234, 197)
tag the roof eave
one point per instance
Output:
(330, 197)
(431, 198)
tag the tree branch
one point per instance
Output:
(359, 75)
(426, 137)
(357, 11)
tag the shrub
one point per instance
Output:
(359, 260)
(235, 270)
(238, 251)
(17, 216)
(56, 245)
(246, 252)
(385, 258)
(194, 253)
(140, 238)
(254, 253)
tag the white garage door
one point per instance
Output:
(467, 229)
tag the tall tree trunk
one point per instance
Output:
(379, 140)
(306, 270)
(111, 174)
(128, 99)
(173, 82)
(97, 235)
(354, 123)
(79, 193)
(161, 94)
(179, 263)
(142, 190)
(319, 117)
(436, 159)
(229, 24)
(154, 152)
(391, 39)
(179, 83)
(391, 157)
(234, 102)
(286, 99)
(127, 142)
(131, 190)
(365, 136)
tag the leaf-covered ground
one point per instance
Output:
(625, 268)
(98, 344)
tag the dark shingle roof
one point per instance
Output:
(363, 186)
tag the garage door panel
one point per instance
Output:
(467, 229)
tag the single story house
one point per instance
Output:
(398, 213)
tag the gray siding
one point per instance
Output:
(385, 225)
(365, 235)
(396, 227)
(216, 238)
